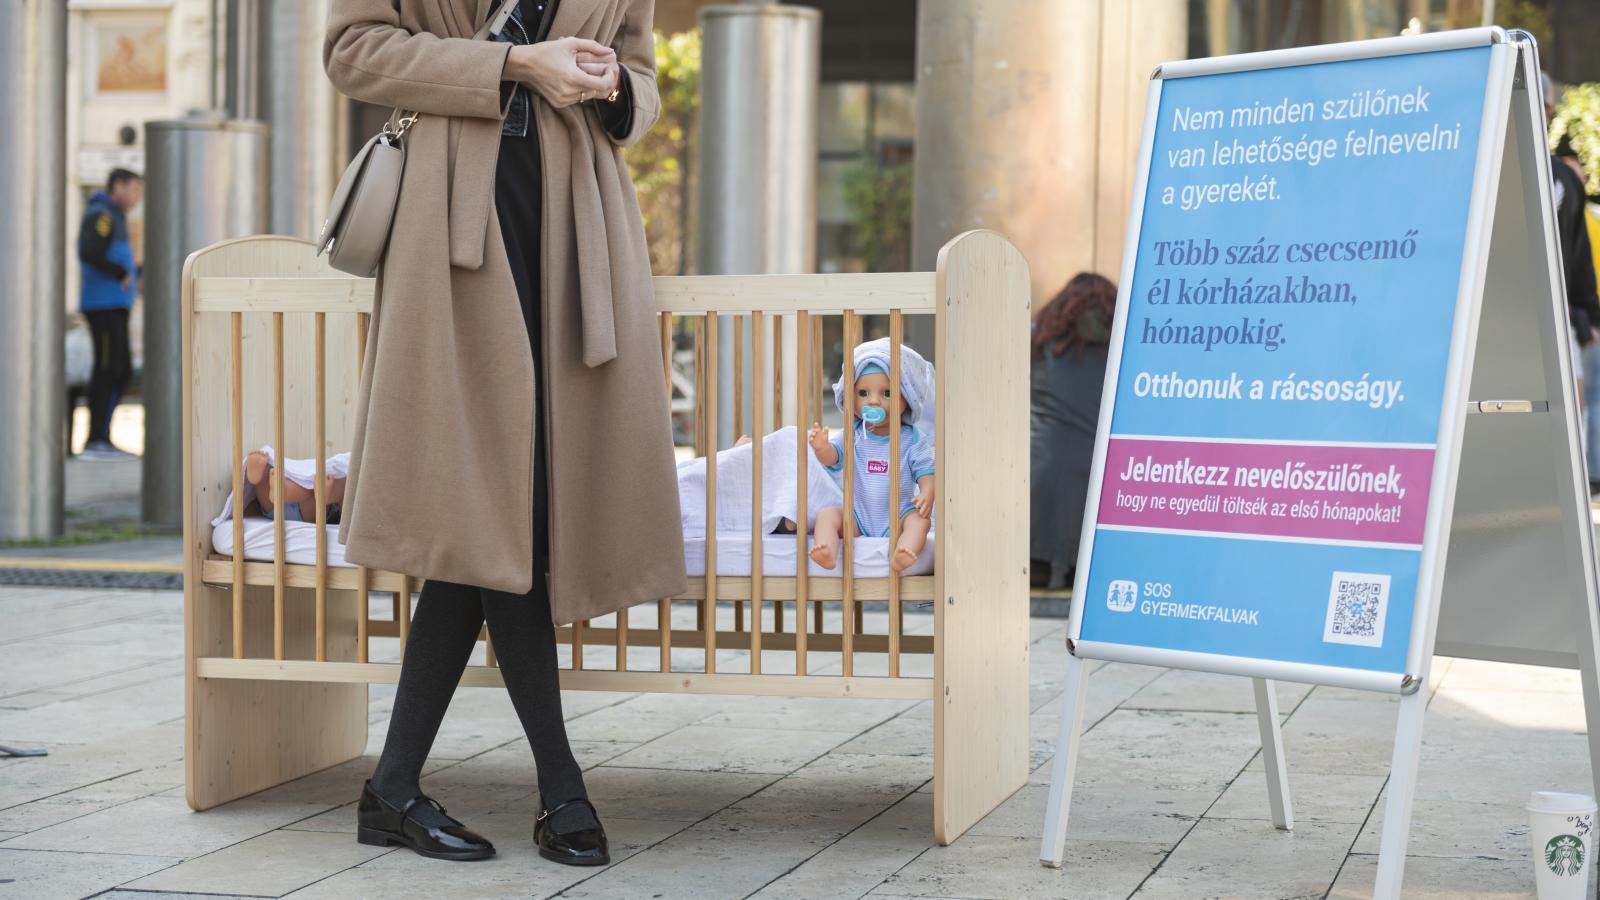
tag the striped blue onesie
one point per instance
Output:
(872, 474)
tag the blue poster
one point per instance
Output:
(1288, 329)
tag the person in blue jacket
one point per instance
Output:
(109, 280)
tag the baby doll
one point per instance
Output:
(913, 495)
(258, 472)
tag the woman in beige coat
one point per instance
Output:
(507, 455)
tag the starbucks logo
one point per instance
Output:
(1564, 854)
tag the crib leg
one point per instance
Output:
(738, 615)
(777, 617)
(243, 736)
(816, 617)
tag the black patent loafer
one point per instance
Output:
(381, 823)
(584, 847)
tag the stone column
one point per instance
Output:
(1028, 121)
(757, 165)
(33, 258)
(299, 104)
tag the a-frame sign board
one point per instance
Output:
(1339, 429)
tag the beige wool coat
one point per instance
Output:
(441, 472)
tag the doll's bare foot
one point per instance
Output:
(903, 558)
(255, 467)
(743, 439)
(257, 472)
(825, 555)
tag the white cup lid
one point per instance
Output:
(1560, 802)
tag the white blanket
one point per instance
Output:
(300, 471)
(734, 478)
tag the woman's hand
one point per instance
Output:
(609, 69)
(554, 69)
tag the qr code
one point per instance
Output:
(1357, 603)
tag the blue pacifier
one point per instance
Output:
(874, 414)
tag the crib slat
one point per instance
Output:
(664, 605)
(402, 611)
(622, 640)
(700, 386)
(738, 375)
(777, 417)
(665, 320)
(278, 639)
(237, 405)
(664, 626)
(363, 594)
(363, 597)
(758, 429)
(577, 644)
(852, 328)
(777, 370)
(817, 347)
(896, 335)
(319, 492)
(802, 420)
(709, 615)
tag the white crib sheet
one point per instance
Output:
(733, 550)
(299, 541)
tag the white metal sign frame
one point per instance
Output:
(1512, 127)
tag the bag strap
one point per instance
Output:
(401, 119)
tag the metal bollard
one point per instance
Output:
(206, 180)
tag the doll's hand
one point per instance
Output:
(818, 436)
(924, 502)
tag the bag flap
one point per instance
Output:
(347, 183)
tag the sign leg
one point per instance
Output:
(1402, 788)
(1272, 754)
(1590, 676)
(1064, 769)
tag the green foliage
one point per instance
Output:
(1578, 117)
(879, 199)
(1531, 16)
(659, 163)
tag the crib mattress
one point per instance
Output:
(733, 550)
(299, 541)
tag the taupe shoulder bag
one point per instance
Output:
(361, 213)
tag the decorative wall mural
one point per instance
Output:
(129, 56)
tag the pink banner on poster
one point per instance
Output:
(1377, 494)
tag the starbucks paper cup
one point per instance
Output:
(1562, 830)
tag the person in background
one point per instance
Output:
(1589, 220)
(1070, 338)
(109, 281)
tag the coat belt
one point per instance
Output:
(471, 193)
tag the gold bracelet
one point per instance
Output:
(615, 93)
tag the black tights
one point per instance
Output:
(443, 633)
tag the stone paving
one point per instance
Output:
(711, 797)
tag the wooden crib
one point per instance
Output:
(278, 655)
